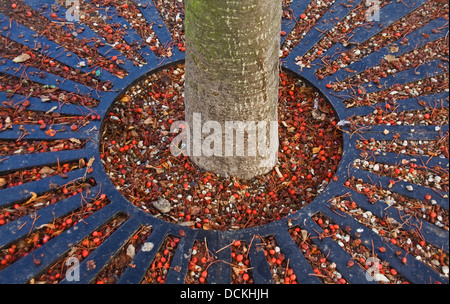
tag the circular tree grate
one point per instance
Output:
(385, 208)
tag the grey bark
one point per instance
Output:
(232, 74)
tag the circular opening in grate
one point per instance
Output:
(136, 154)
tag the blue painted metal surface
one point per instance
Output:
(23, 270)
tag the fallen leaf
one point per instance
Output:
(90, 265)
(2, 182)
(75, 141)
(51, 110)
(364, 154)
(50, 226)
(237, 270)
(59, 146)
(393, 48)
(148, 121)
(187, 224)
(177, 268)
(148, 246)
(125, 98)
(316, 150)
(91, 161)
(324, 109)
(32, 199)
(316, 114)
(304, 235)
(131, 251)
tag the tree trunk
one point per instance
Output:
(231, 86)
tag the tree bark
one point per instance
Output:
(232, 75)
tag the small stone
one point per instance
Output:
(409, 188)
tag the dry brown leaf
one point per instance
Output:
(148, 121)
(236, 270)
(125, 98)
(50, 132)
(32, 199)
(393, 48)
(91, 161)
(207, 227)
(304, 235)
(21, 58)
(390, 58)
(51, 226)
(46, 170)
(75, 141)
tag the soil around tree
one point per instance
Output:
(135, 151)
